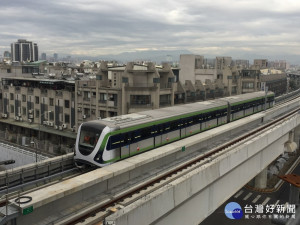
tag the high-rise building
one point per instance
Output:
(24, 51)
(55, 56)
(43, 56)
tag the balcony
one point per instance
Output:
(30, 91)
(141, 86)
(102, 102)
(87, 99)
(58, 93)
(44, 92)
(17, 89)
(112, 103)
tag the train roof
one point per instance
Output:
(163, 113)
(245, 97)
(132, 119)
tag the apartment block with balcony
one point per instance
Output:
(126, 89)
(44, 108)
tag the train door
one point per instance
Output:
(125, 149)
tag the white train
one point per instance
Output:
(103, 142)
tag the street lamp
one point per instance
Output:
(40, 127)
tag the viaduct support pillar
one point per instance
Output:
(260, 181)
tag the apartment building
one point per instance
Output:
(260, 63)
(224, 79)
(124, 89)
(42, 109)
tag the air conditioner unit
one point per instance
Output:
(64, 126)
(30, 120)
(16, 118)
(4, 115)
(56, 127)
(45, 122)
(60, 128)
(30, 111)
(30, 116)
(50, 124)
(84, 116)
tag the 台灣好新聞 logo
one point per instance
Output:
(233, 211)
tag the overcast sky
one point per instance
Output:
(205, 27)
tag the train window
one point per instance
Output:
(145, 132)
(125, 139)
(136, 136)
(88, 139)
(200, 118)
(175, 125)
(114, 142)
(206, 117)
(167, 127)
(196, 119)
(187, 122)
(155, 130)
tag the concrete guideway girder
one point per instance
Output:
(207, 187)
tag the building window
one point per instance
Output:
(248, 85)
(86, 95)
(51, 101)
(103, 97)
(24, 111)
(102, 114)
(67, 104)
(112, 114)
(37, 100)
(164, 100)
(11, 96)
(140, 99)
(51, 115)
(67, 118)
(37, 113)
(12, 109)
(23, 98)
(86, 112)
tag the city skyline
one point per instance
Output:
(239, 29)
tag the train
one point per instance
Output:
(106, 141)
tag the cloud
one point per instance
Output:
(95, 27)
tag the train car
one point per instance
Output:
(103, 142)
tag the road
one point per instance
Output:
(248, 198)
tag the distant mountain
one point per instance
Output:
(157, 56)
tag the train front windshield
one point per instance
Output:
(89, 136)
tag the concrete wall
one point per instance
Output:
(21, 157)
